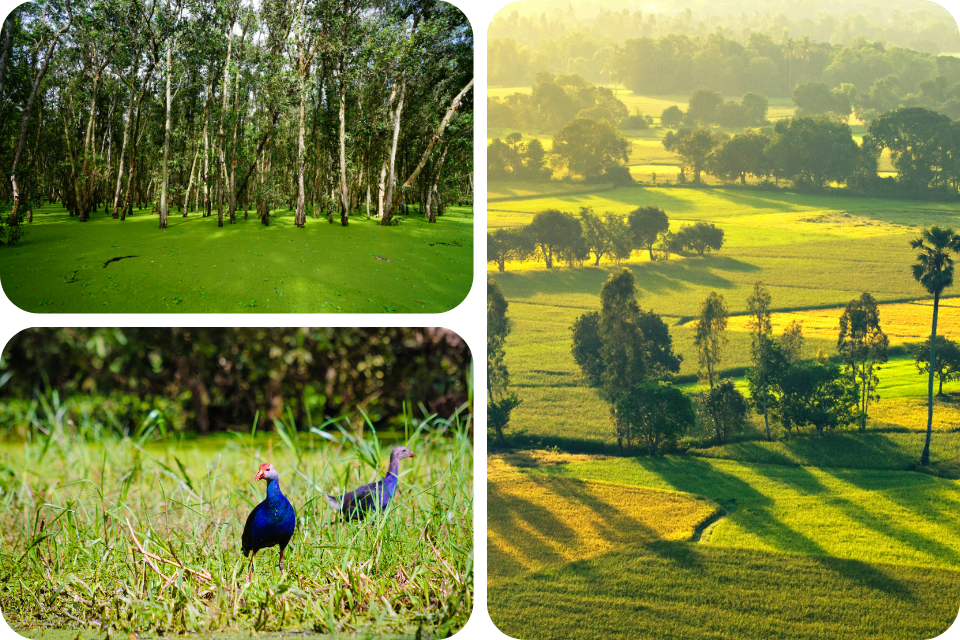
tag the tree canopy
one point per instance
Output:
(197, 105)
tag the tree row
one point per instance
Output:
(556, 236)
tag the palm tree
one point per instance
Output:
(934, 271)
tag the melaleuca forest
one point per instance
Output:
(246, 481)
(199, 156)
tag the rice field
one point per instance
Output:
(781, 540)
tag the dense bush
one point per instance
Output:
(220, 378)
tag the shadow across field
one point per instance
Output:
(653, 278)
(686, 591)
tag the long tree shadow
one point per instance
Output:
(754, 512)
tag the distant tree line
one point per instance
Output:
(555, 100)
(708, 107)
(875, 76)
(214, 379)
(813, 151)
(556, 236)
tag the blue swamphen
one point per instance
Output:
(271, 522)
(374, 496)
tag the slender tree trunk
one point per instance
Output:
(123, 148)
(439, 134)
(165, 167)
(344, 189)
(300, 218)
(387, 211)
(222, 162)
(26, 112)
(186, 196)
(925, 456)
(206, 152)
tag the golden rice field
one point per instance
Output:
(538, 520)
(902, 322)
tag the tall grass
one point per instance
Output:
(142, 535)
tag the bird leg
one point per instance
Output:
(281, 560)
(250, 575)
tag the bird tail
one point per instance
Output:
(334, 503)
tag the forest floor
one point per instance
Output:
(74, 516)
(108, 266)
(805, 537)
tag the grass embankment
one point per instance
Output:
(63, 265)
(799, 551)
(813, 252)
(67, 547)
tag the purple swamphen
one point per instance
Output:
(374, 496)
(271, 522)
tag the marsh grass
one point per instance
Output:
(73, 513)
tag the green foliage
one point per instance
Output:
(818, 394)
(694, 147)
(813, 150)
(646, 225)
(710, 337)
(622, 345)
(724, 409)
(672, 117)
(500, 402)
(816, 98)
(700, 237)
(206, 379)
(947, 360)
(741, 155)
(505, 245)
(589, 147)
(656, 412)
(862, 345)
(921, 144)
(556, 234)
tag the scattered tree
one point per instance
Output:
(500, 402)
(863, 346)
(818, 394)
(701, 237)
(657, 412)
(934, 272)
(508, 244)
(694, 147)
(709, 336)
(589, 147)
(758, 306)
(948, 360)
(552, 231)
(724, 408)
(646, 225)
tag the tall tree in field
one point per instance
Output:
(500, 402)
(694, 146)
(646, 225)
(863, 346)
(709, 337)
(622, 345)
(934, 272)
(758, 306)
